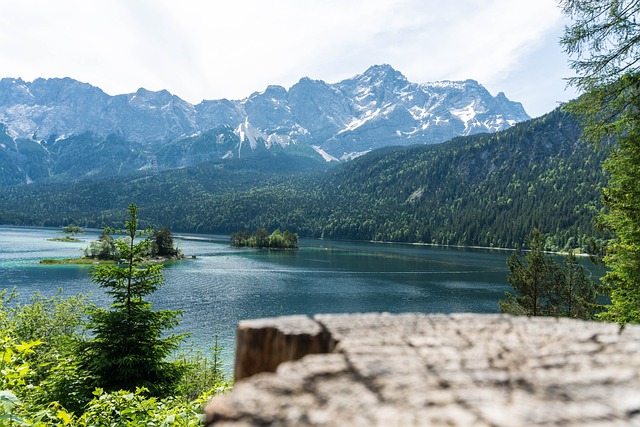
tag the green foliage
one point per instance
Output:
(605, 39)
(6, 298)
(162, 243)
(42, 383)
(65, 382)
(72, 229)
(121, 408)
(486, 190)
(202, 374)
(577, 295)
(262, 239)
(129, 344)
(544, 288)
(64, 239)
(57, 320)
(9, 407)
(103, 249)
(125, 408)
(14, 362)
(16, 384)
(533, 280)
(55, 323)
(622, 199)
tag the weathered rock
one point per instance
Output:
(415, 369)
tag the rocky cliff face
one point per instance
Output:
(377, 108)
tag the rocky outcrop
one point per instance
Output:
(415, 369)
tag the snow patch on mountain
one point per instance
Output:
(343, 120)
(326, 156)
(465, 114)
(419, 113)
(353, 155)
(357, 122)
(280, 140)
(248, 133)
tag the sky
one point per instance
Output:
(213, 49)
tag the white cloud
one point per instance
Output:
(218, 49)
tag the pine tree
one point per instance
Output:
(578, 294)
(129, 347)
(542, 287)
(533, 279)
(622, 199)
(605, 39)
(162, 243)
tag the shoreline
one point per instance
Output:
(92, 261)
(437, 245)
(222, 238)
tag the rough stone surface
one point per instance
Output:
(454, 370)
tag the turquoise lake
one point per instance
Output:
(224, 285)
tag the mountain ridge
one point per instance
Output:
(478, 190)
(328, 121)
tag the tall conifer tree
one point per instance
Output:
(542, 287)
(533, 280)
(604, 39)
(129, 347)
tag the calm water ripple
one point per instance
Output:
(224, 285)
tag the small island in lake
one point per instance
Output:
(105, 250)
(64, 239)
(70, 231)
(262, 239)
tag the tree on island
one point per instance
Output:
(543, 287)
(162, 243)
(262, 239)
(72, 229)
(103, 249)
(130, 344)
(605, 40)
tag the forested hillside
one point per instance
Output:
(487, 190)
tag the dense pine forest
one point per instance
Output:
(486, 190)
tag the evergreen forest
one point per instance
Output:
(485, 190)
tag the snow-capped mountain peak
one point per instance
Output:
(376, 108)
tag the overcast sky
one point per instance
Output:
(210, 49)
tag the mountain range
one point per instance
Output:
(487, 189)
(62, 129)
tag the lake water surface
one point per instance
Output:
(224, 285)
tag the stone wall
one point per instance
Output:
(415, 369)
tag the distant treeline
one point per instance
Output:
(262, 239)
(486, 190)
